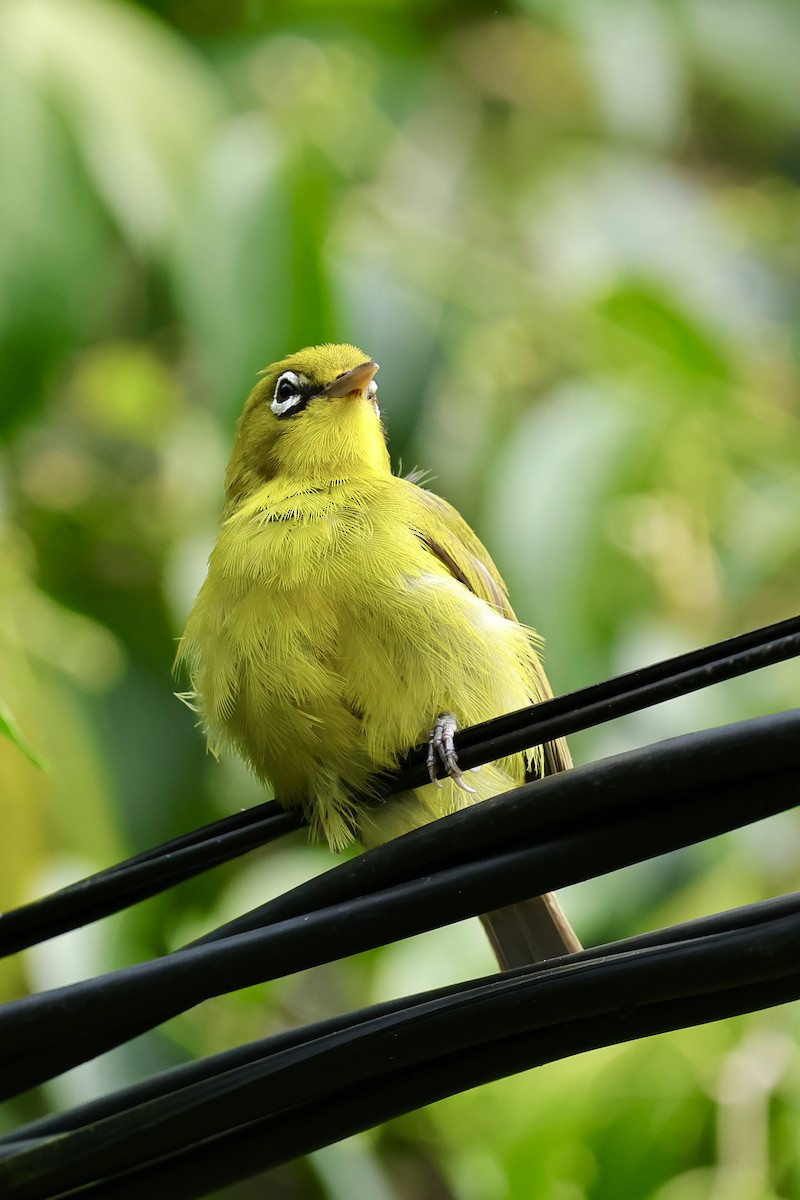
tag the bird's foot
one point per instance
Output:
(442, 751)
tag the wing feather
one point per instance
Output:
(537, 928)
(448, 537)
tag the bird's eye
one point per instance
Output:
(290, 394)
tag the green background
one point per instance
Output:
(569, 234)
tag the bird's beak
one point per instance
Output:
(356, 380)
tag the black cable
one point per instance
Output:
(610, 814)
(539, 812)
(616, 697)
(161, 867)
(258, 1106)
(170, 1081)
(145, 875)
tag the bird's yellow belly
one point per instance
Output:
(340, 644)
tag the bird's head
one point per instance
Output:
(312, 416)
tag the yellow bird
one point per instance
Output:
(349, 615)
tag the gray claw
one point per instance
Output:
(432, 768)
(441, 749)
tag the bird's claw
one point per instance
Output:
(442, 751)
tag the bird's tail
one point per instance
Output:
(529, 932)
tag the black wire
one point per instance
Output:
(610, 814)
(146, 875)
(616, 697)
(261, 1105)
(560, 806)
(170, 1081)
(161, 867)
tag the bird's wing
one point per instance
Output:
(449, 538)
(534, 929)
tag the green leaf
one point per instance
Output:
(10, 728)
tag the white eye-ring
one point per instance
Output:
(372, 394)
(288, 393)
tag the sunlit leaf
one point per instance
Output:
(10, 729)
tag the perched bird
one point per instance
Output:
(349, 615)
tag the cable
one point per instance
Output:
(750, 916)
(163, 866)
(146, 875)
(204, 1126)
(548, 834)
(617, 697)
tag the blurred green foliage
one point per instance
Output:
(568, 232)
